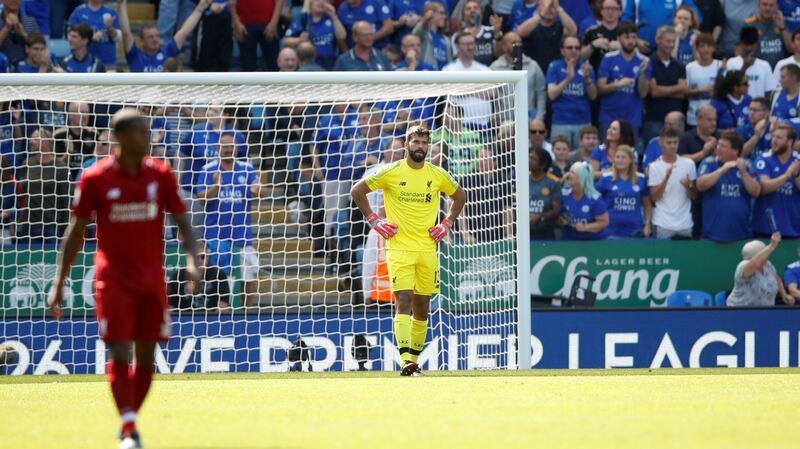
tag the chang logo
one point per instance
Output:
(31, 285)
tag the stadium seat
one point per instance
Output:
(720, 299)
(689, 298)
(59, 48)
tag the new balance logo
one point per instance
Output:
(402, 183)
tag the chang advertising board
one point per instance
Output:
(639, 273)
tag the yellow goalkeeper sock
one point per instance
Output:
(402, 333)
(419, 330)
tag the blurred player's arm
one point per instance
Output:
(125, 27)
(191, 23)
(189, 242)
(70, 247)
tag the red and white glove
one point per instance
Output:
(440, 231)
(384, 228)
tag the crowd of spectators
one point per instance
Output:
(646, 118)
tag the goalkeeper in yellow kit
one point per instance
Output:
(411, 198)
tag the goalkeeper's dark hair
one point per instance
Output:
(84, 31)
(127, 119)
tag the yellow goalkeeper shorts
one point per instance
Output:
(414, 270)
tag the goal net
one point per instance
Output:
(294, 279)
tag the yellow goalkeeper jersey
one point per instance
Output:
(411, 199)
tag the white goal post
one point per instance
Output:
(310, 252)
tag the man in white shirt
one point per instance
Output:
(759, 72)
(465, 43)
(671, 181)
(477, 111)
(793, 59)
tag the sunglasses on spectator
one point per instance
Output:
(536, 131)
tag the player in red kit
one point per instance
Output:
(128, 193)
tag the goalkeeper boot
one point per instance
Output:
(411, 369)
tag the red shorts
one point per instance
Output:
(129, 315)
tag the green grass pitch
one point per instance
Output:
(722, 408)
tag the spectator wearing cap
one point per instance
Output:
(104, 25)
(731, 100)
(79, 60)
(536, 84)
(756, 282)
(435, 48)
(542, 33)
(756, 131)
(544, 190)
(772, 31)
(697, 143)
(584, 214)
(321, 27)
(256, 24)
(571, 88)
(701, 75)
(627, 198)
(363, 57)
(307, 58)
(728, 187)
(623, 81)
(668, 86)
(791, 279)
(15, 26)
(671, 180)
(778, 172)
(374, 12)
(759, 72)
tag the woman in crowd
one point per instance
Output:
(584, 214)
(731, 100)
(620, 132)
(756, 282)
(545, 196)
(627, 197)
(320, 25)
(686, 28)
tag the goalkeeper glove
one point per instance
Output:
(440, 231)
(384, 228)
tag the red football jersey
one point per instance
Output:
(130, 220)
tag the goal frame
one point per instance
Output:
(518, 78)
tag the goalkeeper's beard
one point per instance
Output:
(417, 155)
